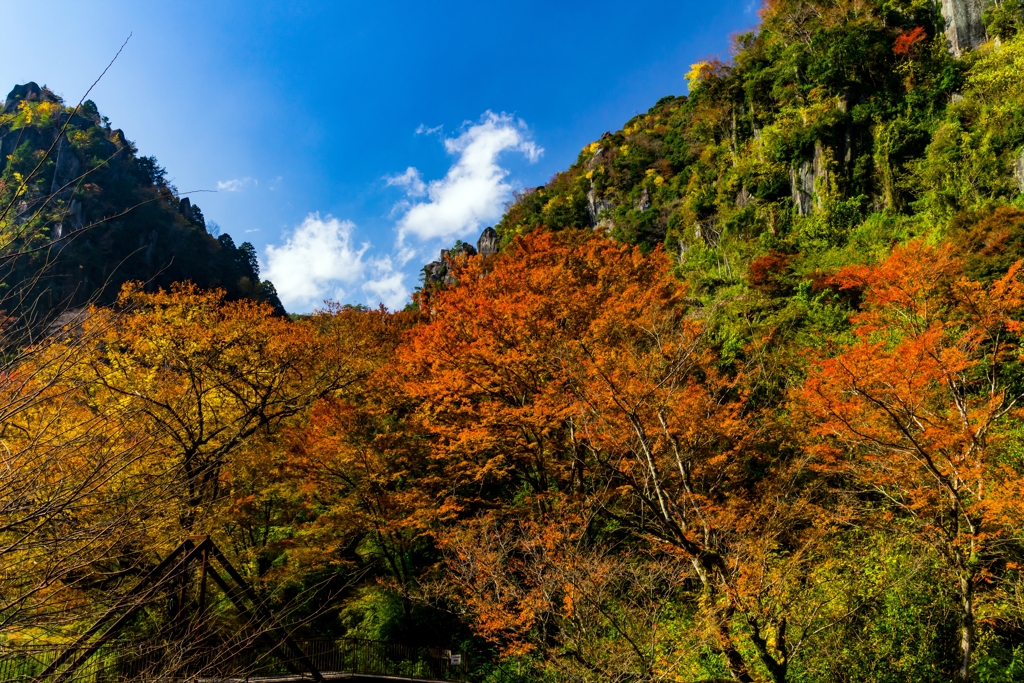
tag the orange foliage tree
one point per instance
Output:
(569, 376)
(919, 407)
(214, 375)
(79, 493)
(530, 581)
(174, 413)
(363, 469)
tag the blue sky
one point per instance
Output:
(350, 141)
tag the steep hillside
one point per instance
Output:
(837, 129)
(83, 212)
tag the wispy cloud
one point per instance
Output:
(411, 180)
(236, 185)
(474, 190)
(422, 129)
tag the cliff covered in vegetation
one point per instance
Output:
(83, 213)
(831, 119)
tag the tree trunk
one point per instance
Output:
(777, 668)
(966, 626)
(737, 667)
(733, 659)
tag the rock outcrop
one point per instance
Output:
(1018, 170)
(644, 202)
(708, 231)
(801, 182)
(434, 272)
(743, 198)
(185, 208)
(65, 171)
(595, 207)
(806, 180)
(12, 139)
(439, 272)
(965, 28)
(29, 92)
(487, 245)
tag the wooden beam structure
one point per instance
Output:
(202, 550)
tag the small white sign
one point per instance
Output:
(456, 660)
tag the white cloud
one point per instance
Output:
(422, 129)
(411, 180)
(474, 190)
(317, 262)
(387, 284)
(320, 259)
(236, 185)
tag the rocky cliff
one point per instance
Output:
(965, 27)
(1018, 171)
(439, 273)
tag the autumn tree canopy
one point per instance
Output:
(738, 398)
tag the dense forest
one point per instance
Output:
(738, 398)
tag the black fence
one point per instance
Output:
(120, 662)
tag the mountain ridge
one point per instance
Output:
(81, 204)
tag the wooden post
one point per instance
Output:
(202, 592)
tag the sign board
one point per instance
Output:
(456, 660)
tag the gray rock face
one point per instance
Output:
(644, 202)
(150, 246)
(595, 205)
(820, 174)
(1018, 170)
(708, 231)
(66, 170)
(439, 272)
(8, 142)
(119, 139)
(455, 257)
(684, 249)
(434, 272)
(464, 248)
(69, 324)
(185, 207)
(803, 180)
(487, 245)
(65, 177)
(15, 138)
(965, 29)
(743, 198)
(75, 215)
(72, 217)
